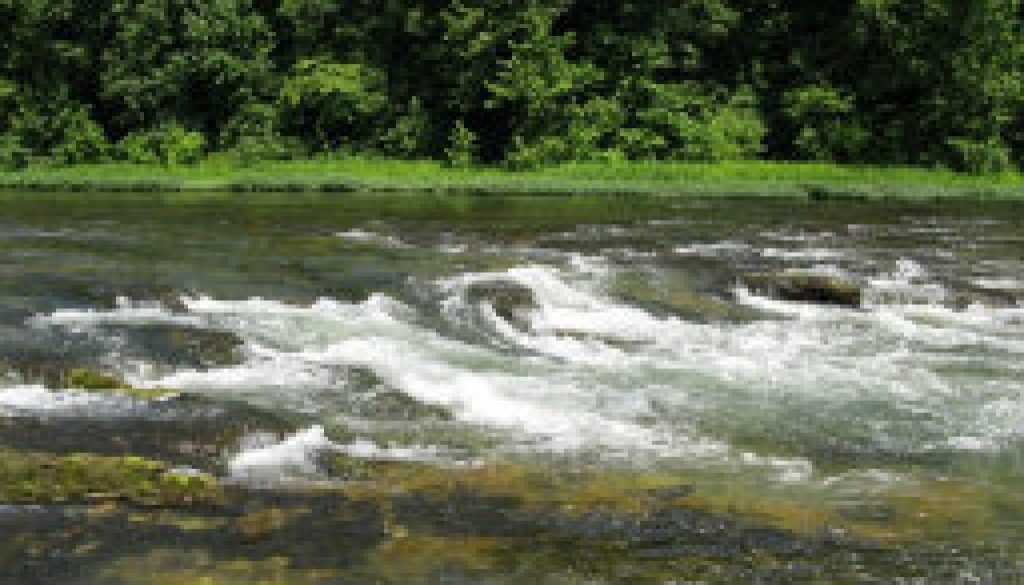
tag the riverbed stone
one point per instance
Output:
(97, 381)
(41, 478)
(509, 299)
(106, 294)
(992, 297)
(50, 371)
(806, 287)
(687, 303)
(186, 346)
(196, 432)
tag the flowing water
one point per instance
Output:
(521, 389)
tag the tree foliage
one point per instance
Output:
(520, 82)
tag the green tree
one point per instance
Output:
(333, 104)
(197, 61)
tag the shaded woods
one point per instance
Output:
(522, 83)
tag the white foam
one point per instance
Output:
(365, 449)
(586, 372)
(263, 460)
(290, 459)
(37, 400)
(713, 249)
(366, 236)
(816, 254)
(1000, 283)
(127, 312)
(790, 470)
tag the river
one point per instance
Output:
(421, 389)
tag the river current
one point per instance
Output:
(635, 351)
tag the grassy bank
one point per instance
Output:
(752, 178)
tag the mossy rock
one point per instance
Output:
(508, 298)
(196, 431)
(50, 371)
(989, 298)
(95, 381)
(806, 288)
(186, 346)
(106, 295)
(347, 468)
(86, 379)
(57, 374)
(686, 303)
(42, 478)
(389, 404)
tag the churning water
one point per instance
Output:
(611, 335)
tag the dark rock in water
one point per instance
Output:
(31, 368)
(808, 288)
(92, 380)
(195, 432)
(389, 404)
(9, 314)
(106, 295)
(989, 297)
(508, 298)
(101, 382)
(43, 478)
(666, 298)
(54, 374)
(179, 345)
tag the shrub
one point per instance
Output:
(83, 141)
(13, 154)
(410, 134)
(641, 143)
(249, 150)
(462, 144)
(333, 104)
(686, 121)
(588, 133)
(524, 156)
(826, 128)
(979, 156)
(167, 144)
(253, 135)
(59, 128)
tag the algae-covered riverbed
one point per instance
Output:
(318, 389)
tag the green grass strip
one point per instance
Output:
(742, 178)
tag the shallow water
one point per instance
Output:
(883, 442)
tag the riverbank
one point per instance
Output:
(750, 178)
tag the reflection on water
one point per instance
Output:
(565, 390)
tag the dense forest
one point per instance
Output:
(515, 82)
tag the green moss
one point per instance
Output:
(38, 478)
(176, 566)
(93, 381)
(681, 301)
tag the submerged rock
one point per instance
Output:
(991, 296)
(187, 346)
(107, 295)
(197, 432)
(686, 303)
(508, 298)
(807, 288)
(390, 404)
(41, 478)
(94, 381)
(50, 371)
